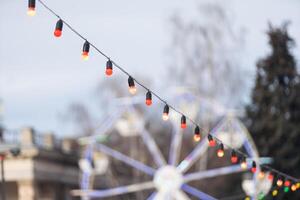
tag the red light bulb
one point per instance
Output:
(148, 98)
(109, 68)
(270, 176)
(85, 50)
(211, 141)
(287, 183)
(58, 28)
(234, 158)
(183, 121)
(253, 168)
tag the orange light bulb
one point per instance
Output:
(261, 175)
(183, 122)
(109, 68)
(279, 182)
(85, 50)
(294, 187)
(148, 98)
(108, 72)
(85, 55)
(197, 138)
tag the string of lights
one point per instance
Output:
(237, 156)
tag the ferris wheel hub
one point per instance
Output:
(168, 179)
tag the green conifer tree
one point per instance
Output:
(273, 117)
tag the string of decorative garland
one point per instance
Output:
(282, 179)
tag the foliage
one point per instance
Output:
(273, 118)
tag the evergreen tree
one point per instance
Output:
(273, 117)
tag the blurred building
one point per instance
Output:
(45, 169)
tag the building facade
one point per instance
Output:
(45, 169)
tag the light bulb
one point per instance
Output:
(279, 182)
(31, 8)
(109, 68)
(165, 115)
(270, 176)
(148, 98)
(220, 151)
(244, 163)
(183, 121)
(274, 192)
(261, 175)
(234, 158)
(132, 88)
(211, 141)
(85, 50)
(197, 136)
(253, 168)
(287, 183)
(58, 28)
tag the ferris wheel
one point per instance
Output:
(170, 177)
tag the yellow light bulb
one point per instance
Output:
(165, 116)
(244, 165)
(132, 90)
(220, 153)
(85, 57)
(31, 11)
(274, 193)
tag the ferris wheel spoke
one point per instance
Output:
(152, 195)
(86, 173)
(175, 146)
(113, 191)
(105, 126)
(185, 164)
(199, 150)
(212, 173)
(197, 193)
(180, 195)
(126, 159)
(153, 148)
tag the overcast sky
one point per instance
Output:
(41, 75)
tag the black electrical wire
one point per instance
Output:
(155, 94)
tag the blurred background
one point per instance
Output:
(232, 62)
